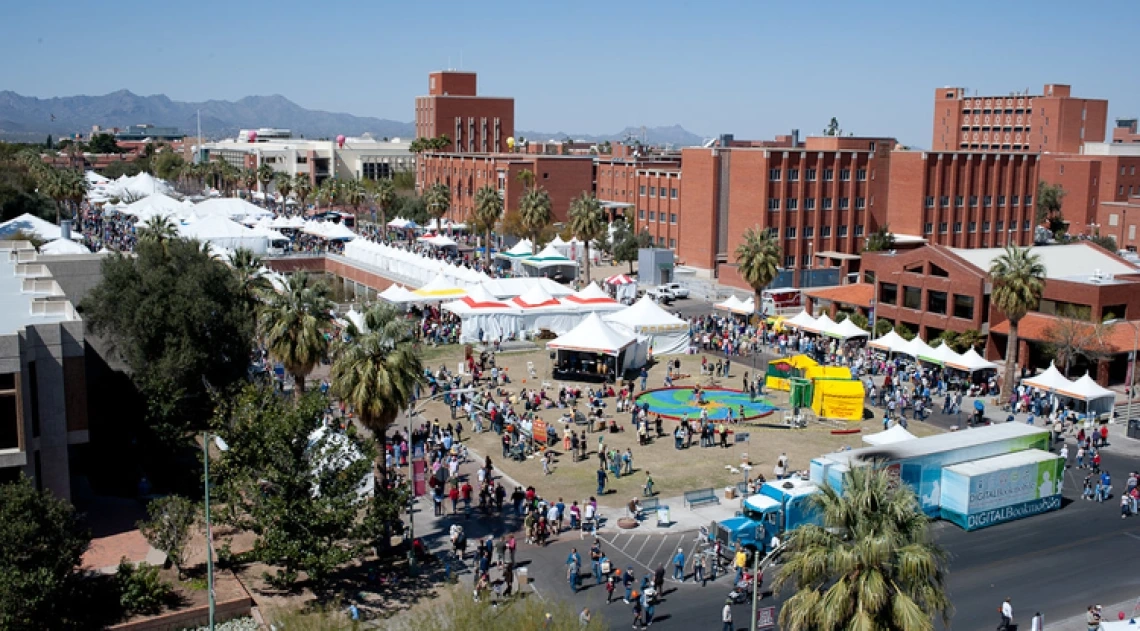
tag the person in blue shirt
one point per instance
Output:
(575, 563)
(679, 566)
(643, 375)
(627, 582)
(1104, 488)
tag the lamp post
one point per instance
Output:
(209, 532)
(1132, 366)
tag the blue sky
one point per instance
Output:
(751, 68)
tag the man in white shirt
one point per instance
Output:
(1006, 614)
(726, 615)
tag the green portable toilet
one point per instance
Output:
(801, 392)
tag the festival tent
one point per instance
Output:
(224, 233)
(292, 223)
(536, 297)
(329, 230)
(510, 287)
(801, 320)
(129, 186)
(891, 342)
(1100, 400)
(821, 324)
(547, 258)
(594, 298)
(94, 179)
(356, 318)
(269, 233)
(838, 399)
(625, 288)
(916, 348)
(971, 361)
(400, 223)
(845, 330)
(440, 288)
(748, 307)
(521, 249)
(157, 205)
(732, 304)
(438, 241)
(435, 226)
(940, 354)
(337, 453)
(33, 225)
(483, 317)
(1051, 381)
(896, 434)
(668, 334)
(63, 246)
(230, 207)
(398, 294)
(593, 335)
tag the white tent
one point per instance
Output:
(484, 317)
(748, 307)
(33, 225)
(132, 186)
(521, 249)
(157, 205)
(222, 232)
(1099, 400)
(593, 298)
(595, 336)
(63, 246)
(971, 361)
(356, 318)
(400, 223)
(668, 334)
(821, 324)
(731, 304)
(916, 348)
(1089, 389)
(1051, 381)
(896, 434)
(940, 354)
(548, 257)
(511, 287)
(440, 288)
(801, 320)
(439, 241)
(269, 233)
(337, 453)
(397, 294)
(535, 298)
(230, 207)
(891, 342)
(845, 330)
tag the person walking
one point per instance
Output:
(647, 606)
(1006, 610)
(648, 489)
(602, 480)
(575, 563)
(698, 570)
(739, 561)
(627, 581)
(726, 615)
(609, 589)
(679, 565)
(638, 621)
(659, 578)
(511, 545)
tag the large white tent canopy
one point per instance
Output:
(1098, 400)
(225, 233)
(668, 334)
(593, 335)
(896, 434)
(845, 330)
(62, 247)
(801, 320)
(891, 342)
(30, 224)
(971, 361)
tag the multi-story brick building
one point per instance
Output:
(1051, 121)
(474, 124)
(1101, 185)
(1125, 131)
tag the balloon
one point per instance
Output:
(253, 136)
(340, 140)
(510, 141)
(1120, 615)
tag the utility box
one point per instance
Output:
(1134, 428)
(654, 267)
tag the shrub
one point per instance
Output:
(141, 591)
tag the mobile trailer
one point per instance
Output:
(989, 491)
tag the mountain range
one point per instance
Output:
(30, 119)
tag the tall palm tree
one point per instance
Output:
(535, 213)
(303, 187)
(158, 229)
(871, 565)
(248, 270)
(385, 197)
(354, 195)
(74, 189)
(758, 261)
(328, 192)
(526, 177)
(587, 222)
(50, 183)
(248, 177)
(437, 199)
(293, 324)
(488, 210)
(377, 372)
(284, 185)
(265, 175)
(1018, 278)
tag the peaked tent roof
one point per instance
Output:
(646, 313)
(157, 204)
(479, 298)
(917, 348)
(940, 354)
(845, 330)
(356, 318)
(1051, 381)
(892, 342)
(970, 361)
(31, 224)
(231, 207)
(801, 320)
(729, 304)
(592, 335)
(440, 288)
(591, 294)
(620, 279)
(522, 248)
(398, 294)
(547, 257)
(896, 434)
(1090, 389)
(63, 246)
(215, 227)
(534, 298)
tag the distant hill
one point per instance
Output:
(675, 135)
(30, 118)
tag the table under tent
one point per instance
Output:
(1085, 397)
(594, 350)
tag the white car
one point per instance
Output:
(678, 289)
(662, 294)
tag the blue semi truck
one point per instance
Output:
(780, 506)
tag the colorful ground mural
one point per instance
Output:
(676, 403)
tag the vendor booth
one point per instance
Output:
(483, 317)
(970, 362)
(225, 233)
(668, 334)
(551, 264)
(801, 320)
(512, 258)
(625, 288)
(593, 298)
(596, 350)
(845, 330)
(1089, 398)
(838, 399)
(891, 342)
(440, 288)
(896, 434)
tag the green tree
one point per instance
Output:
(404, 181)
(587, 222)
(177, 319)
(302, 188)
(832, 128)
(119, 168)
(1106, 241)
(437, 199)
(103, 143)
(355, 195)
(535, 213)
(157, 229)
(284, 185)
(169, 527)
(1048, 204)
(488, 211)
(882, 240)
(526, 178)
(1018, 278)
(883, 326)
(249, 272)
(168, 165)
(265, 175)
(871, 565)
(384, 197)
(43, 542)
(758, 261)
(970, 338)
(625, 244)
(293, 324)
(904, 331)
(293, 483)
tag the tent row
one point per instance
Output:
(824, 325)
(414, 268)
(738, 306)
(521, 258)
(163, 205)
(941, 355)
(1099, 400)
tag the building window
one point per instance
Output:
(988, 201)
(1000, 226)
(944, 201)
(844, 175)
(773, 174)
(957, 227)
(828, 175)
(642, 190)
(888, 293)
(859, 230)
(672, 193)
(652, 216)
(773, 204)
(930, 201)
(912, 297)
(1014, 200)
(861, 175)
(973, 227)
(672, 244)
(963, 307)
(825, 231)
(641, 214)
(809, 203)
(958, 200)
(1029, 198)
(661, 217)
(827, 203)
(791, 204)
(10, 421)
(805, 260)
(1025, 225)
(673, 218)
(860, 202)
(661, 241)
(1001, 200)
(936, 302)
(809, 232)
(844, 203)
(793, 175)
(928, 228)
(973, 201)
(942, 228)
(843, 230)
(653, 191)
(811, 175)
(791, 232)
(789, 261)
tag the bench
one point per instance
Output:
(742, 489)
(649, 505)
(701, 496)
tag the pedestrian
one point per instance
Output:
(602, 479)
(1037, 623)
(547, 458)
(575, 565)
(739, 561)
(659, 578)
(501, 550)
(648, 489)
(508, 578)
(596, 561)
(584, 618)
(609, 589)
(648, 608)
(511, 545)
(679, 565)
(726, 615)
(1006, 610)
(627, 582)
(638, 621)
(698, 570)
(1092, 619)
(781, 468)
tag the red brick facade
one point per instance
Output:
(479, 124)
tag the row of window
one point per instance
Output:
(943, 227)
(672, 243)
(937, 302)
(810, 175)
(658, 217)
(825, 203)
(655, 191)
(824, 231)
(790, 260)
(987, 200)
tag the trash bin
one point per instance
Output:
(663, 516)
(1134, 428)
(524, 578)
(729, 492)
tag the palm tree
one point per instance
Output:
(385, 197)
(354, 195)
(248, 177)
(417, 146)
(265, 175)
(74, 189)
(758, 261)
(49, 182)
(328, 192)
(534, 211)
(303, 187)
(284, 185)
(293, 324)
(377, 372)
(526, 177)
(587, 222)
(871, 565)
(1018, 278)
(437, 199)
(488, 210)
(249, 272)
(158, 229)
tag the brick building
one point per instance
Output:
(1052, 121)
(1125, 131)
(1102, 189)
(452, 108)
(965, 200)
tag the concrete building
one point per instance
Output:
(361, 157)
(452, 108)
(43, 386)
(1051, 121)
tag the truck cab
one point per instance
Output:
(780, 506)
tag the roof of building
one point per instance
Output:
(1117, 338)
(858, 294)
(1078, 262)
(22, 298)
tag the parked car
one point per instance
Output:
(678, 289)
(662, 294)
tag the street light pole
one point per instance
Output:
(1132, 368)
(209, 533)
